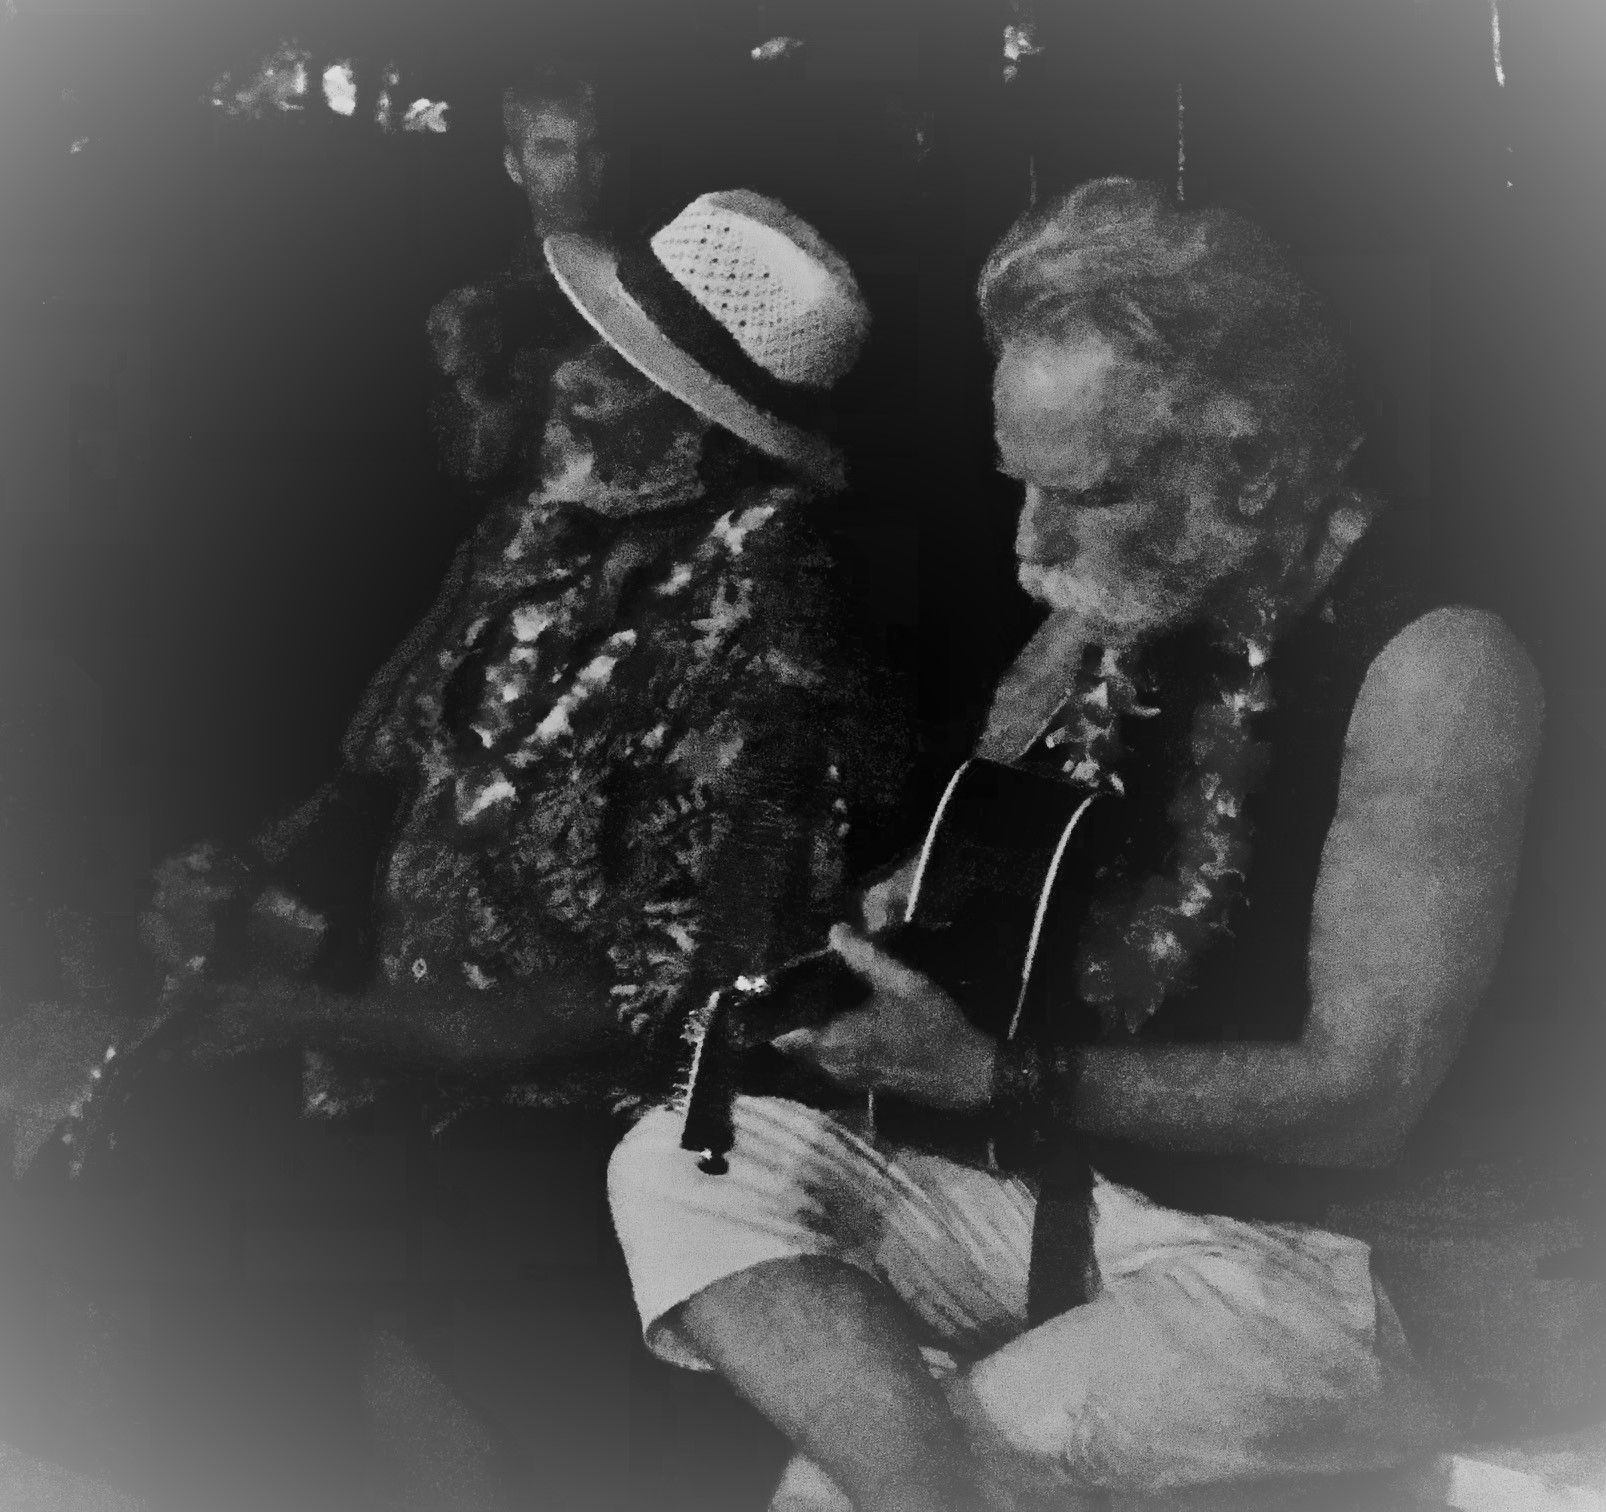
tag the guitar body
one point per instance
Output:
(1001, 887)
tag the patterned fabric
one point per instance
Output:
(623, 745)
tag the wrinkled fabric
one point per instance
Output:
(1214, 1351)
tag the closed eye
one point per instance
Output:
(1104, 495)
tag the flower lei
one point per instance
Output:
(1138, 949)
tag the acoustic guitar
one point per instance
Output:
(999, 893)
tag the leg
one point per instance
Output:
(828, 1354)
(1217, 1353)
(811, 1275)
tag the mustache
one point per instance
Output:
(1111, 609)
(1121, 582)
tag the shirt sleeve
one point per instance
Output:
(814, 758)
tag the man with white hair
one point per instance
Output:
(1324, 773)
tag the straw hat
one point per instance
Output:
(737, 308)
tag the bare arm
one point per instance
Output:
(460, 1031)
(1416, 880)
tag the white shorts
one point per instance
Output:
(1215, 1349)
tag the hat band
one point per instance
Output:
(686, 323)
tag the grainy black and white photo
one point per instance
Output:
(802, 756)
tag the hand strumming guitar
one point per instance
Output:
(910, 1039)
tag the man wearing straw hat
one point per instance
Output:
(620, 760)
(1324, 768)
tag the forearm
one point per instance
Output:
(1280, 1101)
(408, 1026)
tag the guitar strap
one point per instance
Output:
(1063, 1271)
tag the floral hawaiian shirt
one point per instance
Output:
(635, 742)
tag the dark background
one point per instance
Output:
(220, 509)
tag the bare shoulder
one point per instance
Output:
(1420, 865)
(1455, 688)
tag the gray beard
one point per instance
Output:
(1119, 598)
(1115, 606)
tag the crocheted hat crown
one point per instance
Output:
(771, 281)
(737, 308)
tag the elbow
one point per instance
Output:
(1381, 1086)
(1389, 1118)
(1366, 1148)
(1364, 1114)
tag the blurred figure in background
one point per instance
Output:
(495, 343)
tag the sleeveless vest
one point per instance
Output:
(1251, 982)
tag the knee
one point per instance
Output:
(1015, 1464)
(644, 1159)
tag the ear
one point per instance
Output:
(510, 162)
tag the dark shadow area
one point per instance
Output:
(221, 509)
